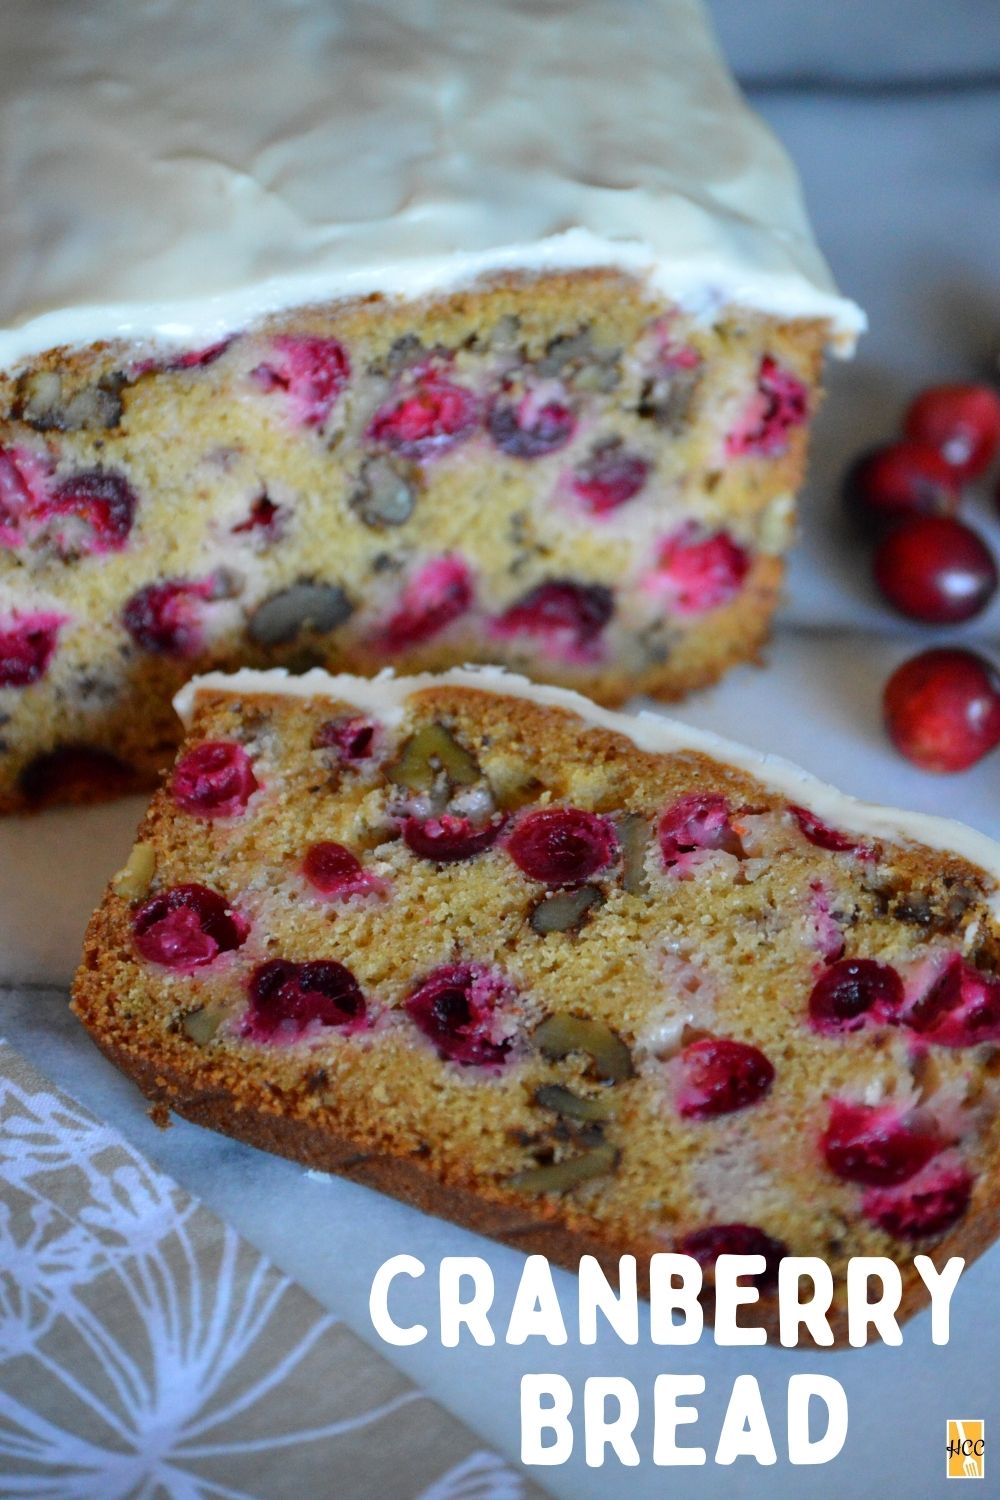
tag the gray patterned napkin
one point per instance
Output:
(147, 1351)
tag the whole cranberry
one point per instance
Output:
(852, 991)
(961, 421)
(901, 480)
(430, 417)
(287, 999)
(928, 1205)
(459, 1007)
(214, 780)
(335, 871)
(873, 1145)
(27, 646)
(936, 569)
(561, 846)
(187, 927)
(719, 1075)
(942, 709)
(707, 1244)
(448, 839)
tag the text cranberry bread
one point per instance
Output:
(579, 981)
(459, 365)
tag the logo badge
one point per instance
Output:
(966, 1449)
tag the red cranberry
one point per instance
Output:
(961, 421)
(429, 418)
(706, 1245)
(74, 773)
(953, 1004)
(569, 617)
(927, 1205)
(531, 426)
(850, 992)
(187, 927)
(609, 478)
(779, 405)
(942, 709)
(870, 1144)
(460, 1008)
(312, 372)
(719, 1076)
(695, 573)
(23, 479)
(197, 359)
(289, 999)
(165, 618)
(562, 845)
(97, 508)
(701, 820)
(937, 570)
(900, 481)
(438, 594)
(263, 517)
(820, 833)
(335, 871)
(214, 780)
(27, 646)
(354, 738)
(448, 839)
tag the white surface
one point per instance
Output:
(905, 198)
(391, 145)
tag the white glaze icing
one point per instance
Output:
(385, 696)
(173, 171)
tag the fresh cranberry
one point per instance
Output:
(429, 418)
(441, 592)
(74, 773)
(448, 839)
(706, 1245)
(460, 1008)
(695, 572)
(288, 999)
(187, 927)
(96, 508)
(927, 1205)
(214, 780)
(951, 1003)
(779, 405)
(335, 871)
(850, 992)
(165, 618)
(936, 570)
(531, 426)
(23, 479)
(701, 820)
(870, 1144)
(569, 617)
(353, 737)
(820, 833)
(942, 709)
(562, 845)
(719, 1076)
(899, 481)
(609, 478)
(27, 646)
(263, 516)
(961, 421)
(311, 371)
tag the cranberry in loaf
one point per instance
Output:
(579, 981)
(427, 360)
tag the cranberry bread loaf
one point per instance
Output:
(542, 401)
(579, 981)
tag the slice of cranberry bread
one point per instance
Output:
(579, 981)
(559, 473)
